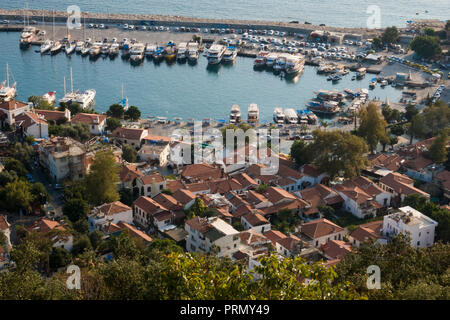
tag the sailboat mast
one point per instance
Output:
(64, 85)
(71, 80)
(7, 75)
(53, 27)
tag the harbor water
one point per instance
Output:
(176, 90)
(337, 13)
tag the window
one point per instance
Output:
(149, 189)
(418, 243)
(160, 187)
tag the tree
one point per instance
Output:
(129, 153)
(7, 176)
(338, 153)
(437, 117)
(81, 226)
(59, 257)
(393, 140)
(372, 126)
(101, 182)
(96, 238)
(115, 111)
(39, 193)
(75, 209)
(397, 130)
(410, 112)
(376, 43)
(17, 195)
(300, 153)
(429, 31)
(438, 149)
(133, 113)
(112, 124)
(16, 166)
(416, 128)
(390, 35)
(426, 46)
(40, 103)
(73, 107)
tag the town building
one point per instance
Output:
(58, 234)
(96, 122)
(318, 232)
(150, 185)
(31, 124)
(9, 110)
(129, 136)
(113, 212)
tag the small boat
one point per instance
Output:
(150, 50)
(27, 36)
(56, 48)
(105, 49)
(114, 50)
(215, 53)
(70, 48)
(294, 65)
(46, 46)
(230, 54)
(373, 83)
(278, 116)
(270, 59)
(79, 46)
(95, 50)
(253, 113)
(159, 54)
(170, 51)
(235, 114)
(137, 53)
(394, 84)
(384, 83)
(291, 116)
(85, 51)
(182, 50)
(49, 97)
(260, 60)
(126, 49)
(280, 63)
(192, 53)
(336, 78)
(353, 78)
(360, 73)
(323, 107)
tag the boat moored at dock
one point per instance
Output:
(56, 48)
(114, 50)
(260, 60)
(95, 50)
(235, 114)
(150, 50)
(137, 53)
(278, 116)
(8, 92)
(215, 53)
(46, 46)
(253, 113)
(230, 54)
(270, 59)
(182, 50)
(291, 116)
(193, 49)
(280, 63)
(170, 51)
(294, 65)
(326, 108)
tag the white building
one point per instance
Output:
(256, 222)
(96, 122)
(409, 221)
(32, 124)
(211, 235)
(113, 212)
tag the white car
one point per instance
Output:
(143, 28)
(42, 33)
(131, 27)
(101, 26)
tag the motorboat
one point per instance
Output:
(46, 46)
(324, 107)
(270, 59)
(114, 50)
(27, 36)
(150, 50)
(373, 83)
(230, 54)
(384, 83)
(159, 54)
(253, 113)
(56, 48)
(260, 60)
(137, 53)
(49, 97)
(79, 46)
(182, 50)
(280, 63)
(278, 116)
(70, 48)
(235, 114)
(360, 73)
(192, 52)
(105, 49)
(294, 64)
(170, 51)
(291, 116)
(215, 53)
(126, 49)
(86, 99)
(95, 50)
(85, 50)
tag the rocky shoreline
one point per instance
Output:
(113, 18)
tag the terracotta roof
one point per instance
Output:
(254, 170)
(319, 195)
(391, 162)
(201, 171)
(51, 114)
(371, 230)
(242, 211)
(88, 118)
(254, 197)
(128, 133)
(335, 249)
(134, 232)
(129, 172)
(45, 225)
(149, 205)
(274, 236)
(310, 170)
(184, 196)
(283, 182)
(275, 194)
(201, 225)
(4, 225)
(197, 187)
(418, 163)
(153, 137)
(250, 237)
(255, 219)
(401, 184)
(174, 185)
(27, 119)
(290, 242)
(320, 228)
(245, 180)
(223, 186)
(444, 177)
(169, 202)
(293, 204)
(239, 255)
(148, 179)
(12, 105)
(113, 208)
(110, 228)
(287, 172)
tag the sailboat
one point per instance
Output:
(28, 32)
(84, 99)
(56, 47)
(124, 101)
(7, 93)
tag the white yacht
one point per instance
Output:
(86, 99)
(114, 50)
(291, 116)
(56, 47)
(95, 50)
(105, 49)
(79, 46)
(278, 116)
(253, 113)
(280, 63)
(46, 46)
(137, 52)
(27, 36)
(295, 64)
(261, 58)
(215, 53)
(230, 54)
(235, 114)
(150, 50)
(7, 92)
(182, 50)
(192, 53)
(70, 48)
(270, 59)
(85, 50)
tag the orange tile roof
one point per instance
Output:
(335, 249)
(113, 208)
(320, 228)
(201, 171)
(129, 172)
(148, 179)
(184, 196)
(3, 223)
(134, 232)
(12, 105)
(51, 114)
(149, 205)
(274, 236)
(401, 184)
(371, 230)
(255, 219)
(88, 118)
(128, 133)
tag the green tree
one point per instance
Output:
(410, 112)
(438, 149)
(39, 193)
(59, 257)
(7, 176)
(397, 130)
(17, 195)
(116, 111)
(426, 46)
(112, 124)
(81, 245)
(390, 35)
(133, 113)
(338, 153)
(129, 154)
(372, 126)
(16, 166)
(429, 31)
(300, 153)
(96, 238)
(437, 117)
(75, 209)
(376, 43)
(416, 128)
(101, 182)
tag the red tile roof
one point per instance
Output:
(3, 223)
(134, 232)
(335, 249)
(51, 114)
(320, 228)
(88, 118)
(12, 105)
(371, 230)
(113, 208)
(274, 236)
(128, 133)
(149, 205)
(184, 196)
(255, 219)
(401, 184)
(201, 171)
